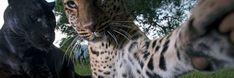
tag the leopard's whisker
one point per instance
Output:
(70, 44)
(126, 36)
(125, 32)
(76, 46)
(122, 21)
(71, 53)
(118, 25)
(69, 49)
(114, 37)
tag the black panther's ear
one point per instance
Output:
(52, 5)
(12, 2)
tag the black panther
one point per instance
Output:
(26, 43)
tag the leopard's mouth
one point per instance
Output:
(87, 35)
(92, 31)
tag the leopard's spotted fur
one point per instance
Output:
(118, 49)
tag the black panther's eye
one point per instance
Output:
(35, 18)
(71, 4)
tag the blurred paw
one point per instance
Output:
(213, 14)
(227, 26)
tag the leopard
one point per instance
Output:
(26, 43)
(119, 49)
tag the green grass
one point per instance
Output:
(84, 69)
(225, 73)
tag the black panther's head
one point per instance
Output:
(33, 20)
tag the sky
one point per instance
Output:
(4, 4)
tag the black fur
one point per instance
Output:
(26, 49)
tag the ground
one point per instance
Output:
(84, 69)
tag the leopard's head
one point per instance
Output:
(32, 20)
(93, 19)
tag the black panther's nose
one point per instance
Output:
(46, 37)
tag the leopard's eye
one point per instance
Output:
(71, 4)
